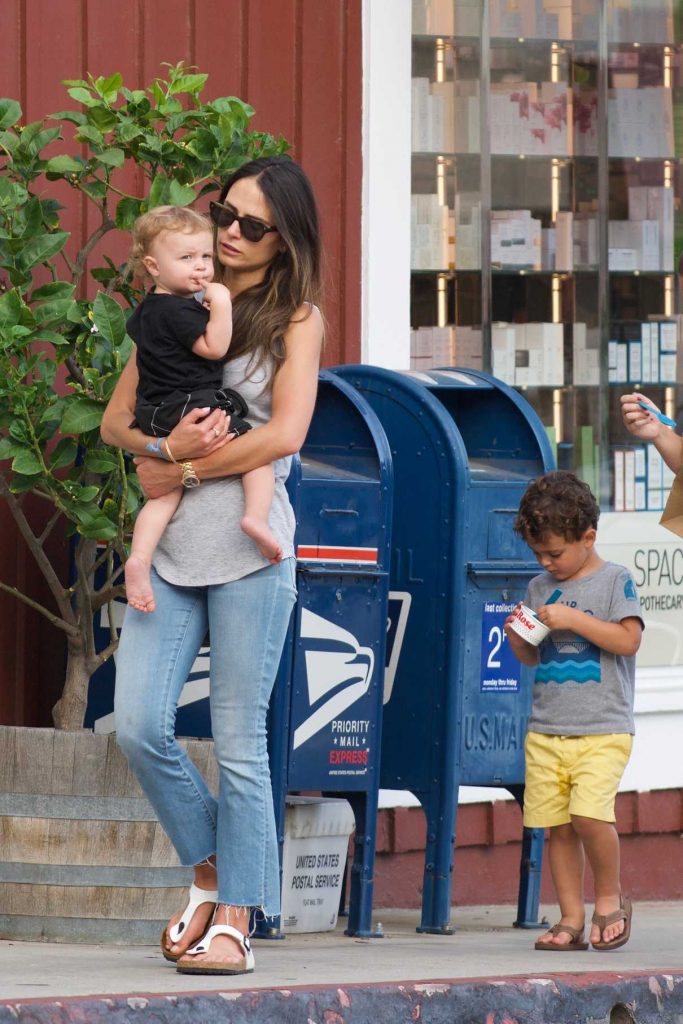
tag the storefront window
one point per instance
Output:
(546, 180)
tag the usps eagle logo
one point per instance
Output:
(338, 672)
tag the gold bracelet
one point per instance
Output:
(169, 452)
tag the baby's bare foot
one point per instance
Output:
(263, 537)
(139, 593)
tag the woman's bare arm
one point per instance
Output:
(294, 391)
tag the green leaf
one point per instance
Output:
(26, 463)
(87, 494)
(53, 290)
(81, 415)
(53, 337)
(134, 95)
(127, 212)
(53, 311)
(188, 83)
(112, 157)
(89, 134)
(103, 275)
(108, 87)
(11, 309)
(9, 141)
(32, 218)
(203, 145)
(33, 139)
(64, 453)
(73, 116)
(94, 524)
(10, 113)
(22, 484)
(129, 131)
(102, 117)
(157, 93)
(41, 248)
(83, 96)
(9, 448)
(159, 193)
(180, 195)
(64, 164)
(101, 461)
(97, 190)
(109, 318)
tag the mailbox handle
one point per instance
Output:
(511, 569)
(323, 570)
(339, 511)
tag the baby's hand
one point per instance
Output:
(216, 294)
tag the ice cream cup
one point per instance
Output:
(525, 623)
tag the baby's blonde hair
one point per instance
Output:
(150, 225)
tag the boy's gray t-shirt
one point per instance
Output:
(579, 689)
(204, 544)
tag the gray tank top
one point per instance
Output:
(203, 544)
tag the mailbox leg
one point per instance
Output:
(530, 879)
(531, 864)
(440, 810)
(364, 807)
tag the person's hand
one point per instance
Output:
(216, 293)
(199, 434)
(637, 420)
(157, 477)
(521, 648)
(558, 616)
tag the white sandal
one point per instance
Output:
(243, 966)
(197, 898)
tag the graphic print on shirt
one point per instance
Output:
(566, 657)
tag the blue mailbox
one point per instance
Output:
(326, 712)
(464, 446)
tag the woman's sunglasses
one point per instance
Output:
(253, 230)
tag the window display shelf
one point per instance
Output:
(547, 209)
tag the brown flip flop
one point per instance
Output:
(603, 921)
(575, 934)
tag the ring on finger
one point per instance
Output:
(216, 431)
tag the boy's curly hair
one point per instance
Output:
(556, 503)
(150, 225)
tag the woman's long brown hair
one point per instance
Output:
(262, 313)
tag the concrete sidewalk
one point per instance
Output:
(487, 971)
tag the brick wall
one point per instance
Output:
(486, 865)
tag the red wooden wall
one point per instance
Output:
(299, 63)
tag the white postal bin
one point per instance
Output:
(317, 831)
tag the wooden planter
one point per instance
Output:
(82, 856)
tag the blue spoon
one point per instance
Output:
(551, 600)
(666, 420)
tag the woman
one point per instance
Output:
(208, 574)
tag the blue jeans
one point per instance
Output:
(248, 621)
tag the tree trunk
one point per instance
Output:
(69, 711)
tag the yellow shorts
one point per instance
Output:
(567, 775)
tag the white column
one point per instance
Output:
(386, 183)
